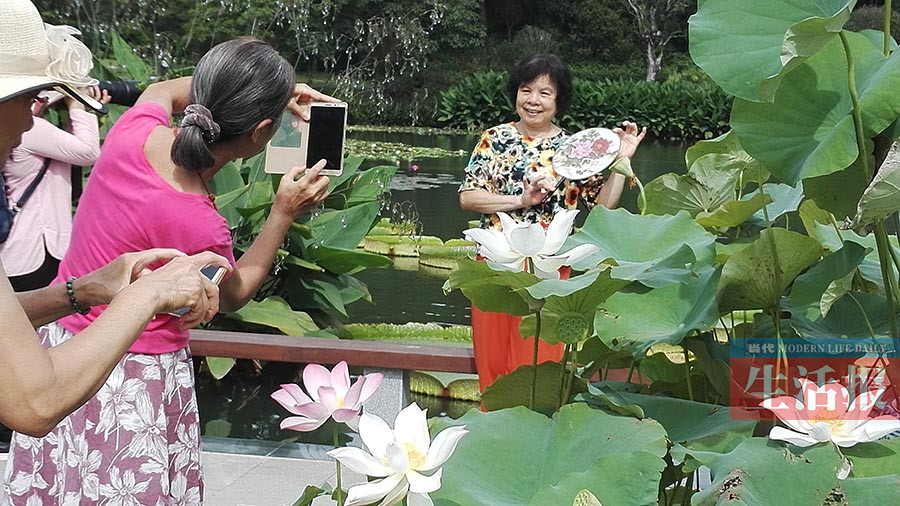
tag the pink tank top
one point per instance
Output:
(127, 206)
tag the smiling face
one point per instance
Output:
(17, 120)
(536, 103)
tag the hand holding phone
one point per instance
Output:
(215, 274)
(299, 143)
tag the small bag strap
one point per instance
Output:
(31, 187)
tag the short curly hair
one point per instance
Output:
(537, 65)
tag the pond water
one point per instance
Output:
(431, 192)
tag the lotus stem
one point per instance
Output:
(887, 273)
(864, 315)
(534, 358)
(337, 463)
(641, 196)
(562, 377)
(776, 308)
(630, 371)
(571, 374)
(887, 27)
(687, 371)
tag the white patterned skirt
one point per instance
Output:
(135, 443)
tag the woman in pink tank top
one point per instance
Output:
(139, 436)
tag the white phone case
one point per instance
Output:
(280, 159)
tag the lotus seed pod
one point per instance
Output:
(572, 327)
(586, 498)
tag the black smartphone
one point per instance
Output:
(215, 274)
(327, 135)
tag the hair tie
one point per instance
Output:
(200, 117)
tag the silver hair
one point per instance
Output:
(240, 83)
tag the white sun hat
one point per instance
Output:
(35, 56)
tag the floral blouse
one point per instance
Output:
(504, 156)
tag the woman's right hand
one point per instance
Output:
(535, 190)
(180, 284)
(296, 196)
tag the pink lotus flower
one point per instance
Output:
(330, 396)
(826, 414)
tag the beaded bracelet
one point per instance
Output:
(70, 291)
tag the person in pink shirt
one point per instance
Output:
(139, 436)
(40, 233)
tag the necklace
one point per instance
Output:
(541, 135)
(209, 194)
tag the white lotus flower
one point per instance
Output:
(508, 250)
(827, 415)
(399, 457)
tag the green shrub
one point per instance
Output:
(679, 111)
(477, 102)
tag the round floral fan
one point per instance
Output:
(586, 153)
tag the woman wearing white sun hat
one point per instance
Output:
(41, 386)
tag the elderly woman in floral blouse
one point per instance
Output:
(511, 171)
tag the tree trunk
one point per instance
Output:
(654, 61)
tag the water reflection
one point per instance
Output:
(407, 292)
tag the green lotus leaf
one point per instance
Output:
(871, 490)
(732, 214)
(728, 145)
(747, 47)
(785, 199)
(710, 182)
(651, 249)
(341, 261)
(882, 197)
(514, 389)
(492, 290)
(343, 228)
(219, 367)
(845, 320)
(808, 130)
(761, 472)
(528, 326)
(878, 458)
(749, 276)
(809, 287)
(876, 37)
(274, 312)
(636, 321)
(838, 192)
(693, 424)
(617, 458)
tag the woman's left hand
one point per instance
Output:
(630, 138)
(296, 196)
(303, 96)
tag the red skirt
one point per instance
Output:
(500, 348)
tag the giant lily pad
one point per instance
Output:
(808, 130)
(636, 321)
(641, 246)
(749, 279)
(519, 457)
(746, 47)
(759, 472)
